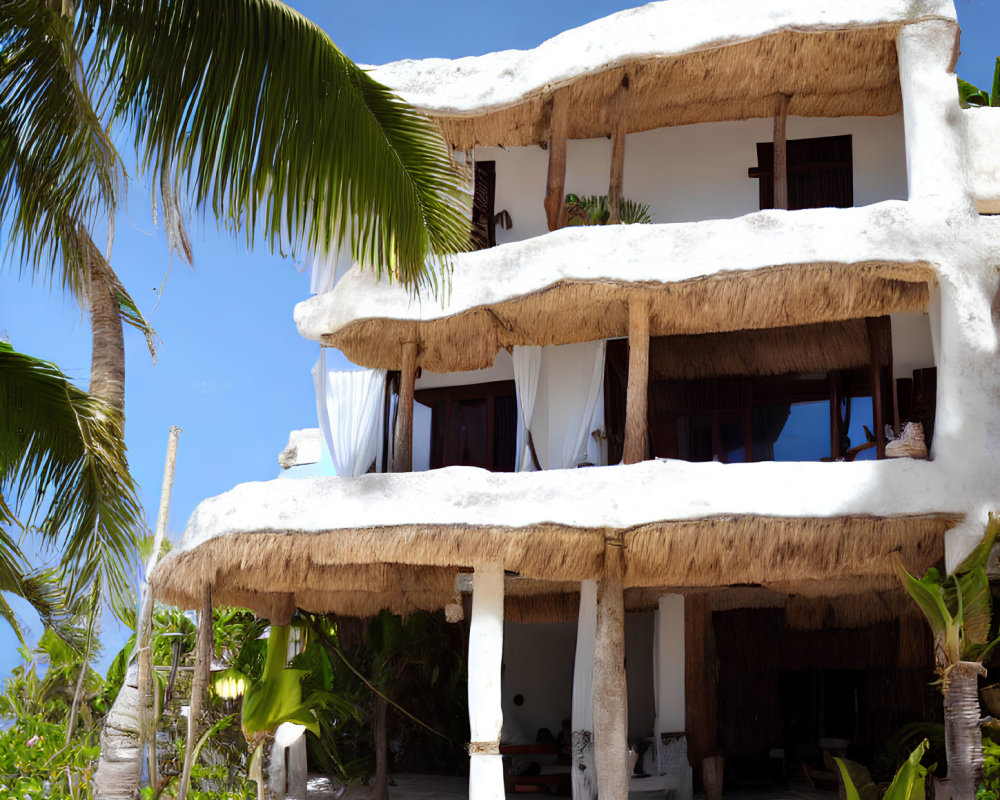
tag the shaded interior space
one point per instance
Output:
(822, 392)
(792, 687)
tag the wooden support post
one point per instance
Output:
(611, 700)
(876, 346)
(618, 125)
(199, 683)
(700, 688)
(637, 393)
(584, 774)
(780, 153)
(484, 670)
(555, 185)
(402, 451)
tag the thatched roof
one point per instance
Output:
(354, 546)
(686, 60)
(767, 269)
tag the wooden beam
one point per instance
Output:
(611, 700)
(617, 123)
(199, 683)
(555, 185)
(637, 393)
(402, 451)
(699, 684)
(780, 153)
(877, 347)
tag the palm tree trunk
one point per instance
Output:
(381, 749)
(962, 736)
(119, 767)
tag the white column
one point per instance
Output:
(668, 692)
(931, 116)
(485, 659)
(584, 772)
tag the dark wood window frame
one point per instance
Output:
(441, 400)
(820, 172)
(484, 195)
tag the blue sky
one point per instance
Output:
(231, 370)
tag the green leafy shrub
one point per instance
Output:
(989, 789)
(593, 210)
(34, 763)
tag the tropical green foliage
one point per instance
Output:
(972, 96)
(907, 785)
(958, 606)
(62, 467)
(594, 210)
(35, 763)
(989, 789)
(268, 122)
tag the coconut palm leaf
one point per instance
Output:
(57, 161)
(266, 122)
(62, 464)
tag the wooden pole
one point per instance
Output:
(555, 184)
(637, 400)
(875, 344)
(402, 451)
(199, 683)
(780, 153)
(147, 728)
(611, 699)
(700, 691)
(618, 110)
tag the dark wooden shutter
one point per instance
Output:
(820, 173)
(484, 230)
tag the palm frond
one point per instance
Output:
(57, 161)
(266, 121)
(62, 461)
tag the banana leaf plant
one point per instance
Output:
(970, 96)
(908, 783)
(959, 608)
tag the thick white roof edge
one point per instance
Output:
(671, 27)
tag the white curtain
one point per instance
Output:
(328, 268)
(527, 365)
(581, 413)
(584, 772)
(349, 407)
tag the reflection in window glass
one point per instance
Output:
(694, 438)
(805, 435)
(861, 415)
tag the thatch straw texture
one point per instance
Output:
(577, 311)
(408, 568)
(827, 73)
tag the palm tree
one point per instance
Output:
(959, 609)
(246, 106)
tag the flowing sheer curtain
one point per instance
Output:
(349, 407)
(527, 365)
(582, 411)
(584, 773)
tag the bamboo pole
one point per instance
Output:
(617, 122)
(611, 701)
(199, 682)
(781, 153)
(555, 184)
(700, 690)
(402, 451)
(147, 730)
(637, 398)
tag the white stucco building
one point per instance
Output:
(641, 448)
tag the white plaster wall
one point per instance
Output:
(692, 172)
(982, 132)
(912, 346)
(538, 664)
